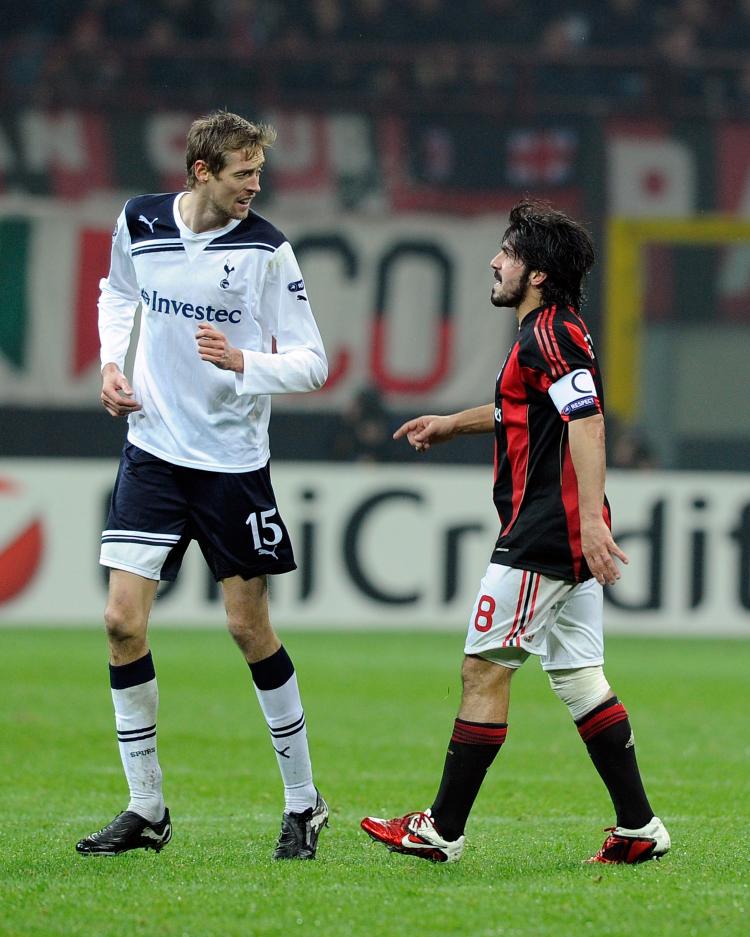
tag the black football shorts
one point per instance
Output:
(158, 508)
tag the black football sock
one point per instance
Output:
(471, 751)
(609, 740)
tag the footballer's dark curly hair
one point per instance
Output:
(548, 240)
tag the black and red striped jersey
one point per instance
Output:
(536, 490)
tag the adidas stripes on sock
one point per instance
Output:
(278, 694)
(609, 739)
(135, 696)
(471, 751)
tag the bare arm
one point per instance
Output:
(586, 439)
(424, 431)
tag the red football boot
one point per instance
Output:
(626, 847)
(414, 835)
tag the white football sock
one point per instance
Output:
(283, 712)
(135, 718)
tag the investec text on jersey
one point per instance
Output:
(188, 310)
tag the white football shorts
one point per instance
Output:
(518, 612)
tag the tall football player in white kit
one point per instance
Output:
(225, 323)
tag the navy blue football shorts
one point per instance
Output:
(158, 508)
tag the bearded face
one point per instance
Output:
(511, 280)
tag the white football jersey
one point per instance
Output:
(243, 279)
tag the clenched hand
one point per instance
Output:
(214, 347)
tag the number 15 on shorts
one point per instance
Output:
(266, 534)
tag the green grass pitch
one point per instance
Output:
(379, 710)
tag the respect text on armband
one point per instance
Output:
(178, 307)
(578, 404)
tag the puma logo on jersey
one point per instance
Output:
(263, 552)
(225, 282)
(149, 223)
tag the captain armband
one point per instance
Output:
(575, 395)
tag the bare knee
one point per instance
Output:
(246, 603)
(123, 621)
(247, 629)
(126, 615)
(116, 623)
(480, 676)
(126, 634)
(486, 690)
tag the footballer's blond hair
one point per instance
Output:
(212, 137)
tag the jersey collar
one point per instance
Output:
(187, 234)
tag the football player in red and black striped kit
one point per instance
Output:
(542, 593)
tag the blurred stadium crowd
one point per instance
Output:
(388, 109)
(485, 54)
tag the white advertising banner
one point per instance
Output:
(385, 546)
